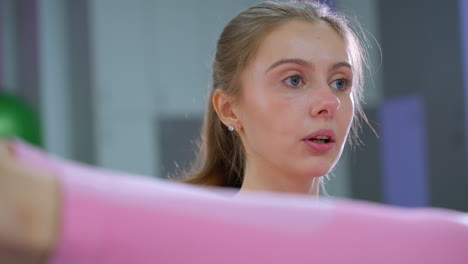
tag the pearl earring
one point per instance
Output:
(231, 128)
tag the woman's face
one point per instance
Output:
(296, 105)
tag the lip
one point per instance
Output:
(321, 147)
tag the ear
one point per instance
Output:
(226, 109)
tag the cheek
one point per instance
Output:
(270, 120)
(345, 114)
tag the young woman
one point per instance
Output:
(287, 83)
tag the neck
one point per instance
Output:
(271, 179)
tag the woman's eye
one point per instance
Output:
(294, 81)
(340, 84)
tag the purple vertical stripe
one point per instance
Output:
(2, 60)
(463, 9)
(403, 151)
(28, 50)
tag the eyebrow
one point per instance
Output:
(342, 64)
(306, 63)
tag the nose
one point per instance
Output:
(325, 103)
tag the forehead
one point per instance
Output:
(315, 42)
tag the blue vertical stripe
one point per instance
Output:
(403, 151)
(463, 9)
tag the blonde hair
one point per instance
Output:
(221, 157)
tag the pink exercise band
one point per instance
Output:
(115, 218)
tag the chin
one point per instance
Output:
(319, 168)
(316, 171)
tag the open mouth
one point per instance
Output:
(321, 139)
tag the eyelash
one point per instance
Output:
(348, 82)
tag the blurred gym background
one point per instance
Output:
(122, 84)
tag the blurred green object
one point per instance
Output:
(17, 119)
